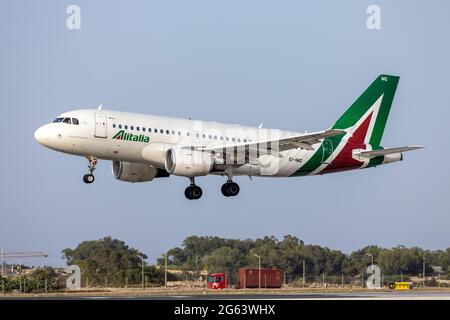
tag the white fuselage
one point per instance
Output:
(94, 136)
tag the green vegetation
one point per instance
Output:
(40, 280)
(111, 261)
(216, 254)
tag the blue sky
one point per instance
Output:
(289, 64)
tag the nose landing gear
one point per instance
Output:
(89, 177)
(193, 192)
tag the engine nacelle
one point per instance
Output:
(188, 163)
(155, 153)
(133, 172)
(392, 157)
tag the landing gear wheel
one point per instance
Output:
(224, 190)
(193, 192)
(88, 178)
(230, 189)
(196, 192)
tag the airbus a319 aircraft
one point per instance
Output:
(144, 147)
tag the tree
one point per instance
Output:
(106, 258)
(225, 259)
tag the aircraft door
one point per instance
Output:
(100, 125)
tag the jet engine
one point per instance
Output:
(136, 172)
(188, 163)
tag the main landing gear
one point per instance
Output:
(230, 188)
(89, 177)
(193, 192)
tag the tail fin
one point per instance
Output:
(370, 111)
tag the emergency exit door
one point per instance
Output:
(100, 125)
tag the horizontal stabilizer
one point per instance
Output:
(383, 152)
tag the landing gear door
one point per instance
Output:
(100, 125)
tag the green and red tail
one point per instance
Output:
(371, 109)
(364, 121)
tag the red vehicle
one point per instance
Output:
(217, 281)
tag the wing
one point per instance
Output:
(303, 141)
(383, 152)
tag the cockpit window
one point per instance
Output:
(67, 120)
(58, 120)
(75, 121)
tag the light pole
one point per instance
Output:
(142, 259)
(259, 271)
(423, 271)
(304, 272)
(165, 272)
(2, 261)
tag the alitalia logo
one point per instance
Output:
(122, 135)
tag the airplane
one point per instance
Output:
(144, 147)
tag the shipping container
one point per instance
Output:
(270, 278)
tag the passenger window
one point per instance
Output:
(131, 127)
(149, 129)
(167, 131)
(209, 136)
(126, 127)
(233, 139)
(120, 126)
(173, 132)
(228, 139)
(221, 138)
(204, 136)
(67, 120)
(245, 140)
(179, 133)
(239, 139)
(143, 129)
(58, 120)
(75, 121)
(161, 131)
(137, 128)
(215, 137)
(188, 134)
(114, 125)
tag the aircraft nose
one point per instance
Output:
(41, 135)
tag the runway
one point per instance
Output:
(303, 296)
(391, 295)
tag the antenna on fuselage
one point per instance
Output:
(260, 125)
(100, 107)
